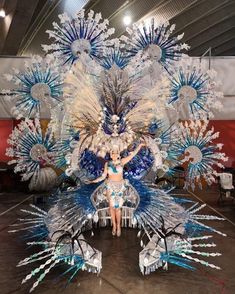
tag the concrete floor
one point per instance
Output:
(120, 273)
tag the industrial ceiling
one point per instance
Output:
(206, 23)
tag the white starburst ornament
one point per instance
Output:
(34, 154)
(39, 83)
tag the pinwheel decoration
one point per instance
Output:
(33, 154)
(152, 41)
(78, 36)
(196, 151)
(39, 82)
(196, 89)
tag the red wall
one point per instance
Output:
(227, 137)
(6, 127)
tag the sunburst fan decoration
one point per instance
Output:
(114, 57)
(196, 89)
(195, 149)
(154, 43)
(77, 36)
(32, 151)
(39, 82)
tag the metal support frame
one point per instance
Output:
(205, 53)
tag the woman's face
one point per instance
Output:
(115, 155)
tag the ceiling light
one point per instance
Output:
(127, 20)
(2, 13)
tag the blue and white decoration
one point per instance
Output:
(39, 82)
(66, 243)
(163, 238)
(110, 96)
(153, 43)
(33, 153)
(164, 224)
(195, 89)
(114, 57)
(76, 37)
(196, 148)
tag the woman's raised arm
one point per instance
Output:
(132, 154)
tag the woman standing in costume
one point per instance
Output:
(115, 184)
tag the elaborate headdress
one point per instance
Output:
(107, 110)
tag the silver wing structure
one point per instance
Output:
(170, 230)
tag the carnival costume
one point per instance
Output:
(115, 189)
(109, 93)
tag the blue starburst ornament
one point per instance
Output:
(196, 151)
(195, 89)
(79, 36)
(39, 82)
(153, 42)
(114, 56)
(33, 152)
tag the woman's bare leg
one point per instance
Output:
(118, 214)
(112, 213)
(113, 218)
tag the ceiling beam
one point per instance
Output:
(220, 34)
(5, 23)
(37, 35)
(136, 8)
(19, 25)
(168, 7)
(229, 52)
(201, 9)
(208, 22)
(218, 51)
(41, 12)
(164, 9)
(108, 8)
